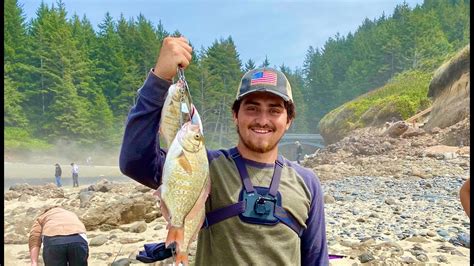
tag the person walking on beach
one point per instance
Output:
(285, 223)
(75, 175)
(299, 151)
(57, 174)
(63, 237)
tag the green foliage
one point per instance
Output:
(221, 68)
(402, 97)
(19, 139)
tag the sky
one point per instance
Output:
(281, 30)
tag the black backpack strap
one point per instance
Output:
(223, 213)
(276, 176)
(288, 219)
(244, 175)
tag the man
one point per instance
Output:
(75, 175)
(299, 151)
(57, 174)
(262, 112)
(63, 237)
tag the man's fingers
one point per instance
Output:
(175, 52)
(187, 58)
(185, 44)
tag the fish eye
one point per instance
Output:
(197, 137)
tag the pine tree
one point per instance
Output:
(266, 62)
(249, 65)
(221, 65)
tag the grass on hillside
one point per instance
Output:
(403, 96)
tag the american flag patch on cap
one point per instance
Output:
(264, 77)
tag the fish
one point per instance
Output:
(185, 188)
(177, 110)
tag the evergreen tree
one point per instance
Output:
(265, 63)
(222, 66)
(300, 124)
(13, 114)
(14, 59)
(249, 65)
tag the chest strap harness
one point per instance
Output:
(257, 205)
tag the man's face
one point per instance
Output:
(261, 122)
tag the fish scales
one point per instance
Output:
(171, 115)
(178, 182)
(185, 187)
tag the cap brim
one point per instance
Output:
(284, 97)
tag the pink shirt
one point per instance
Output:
(54, 222)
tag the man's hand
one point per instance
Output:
(174, 51)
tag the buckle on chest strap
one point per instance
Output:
(259, 206)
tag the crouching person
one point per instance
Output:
(63, 237)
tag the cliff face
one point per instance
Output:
(450, 91)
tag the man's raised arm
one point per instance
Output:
(140, 156)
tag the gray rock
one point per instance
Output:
(98, 240)
(390, 201)
(328, 199)
(138, 227)
(366, 257)
(442, 232)
(85, 197)
(422, 257)
(121, 262)
(9, 195)
(442, 258)
(158, 227)
(24, 198)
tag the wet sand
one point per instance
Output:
(40, 174)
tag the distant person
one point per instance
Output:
(299, 151)
(63, 237)
(89, 161)
(75, 175)
(465, 195)
(57, 174)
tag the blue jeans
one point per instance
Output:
(75, 180)
(70, 250)
(58, 181)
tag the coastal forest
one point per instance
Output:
(65, 82)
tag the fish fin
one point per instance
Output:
(198, 228)
(175, 234)
(199, 204)
(184, 163)
(182, 257)
(164, 210)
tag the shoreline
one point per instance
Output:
(46, 171)
(41, 174)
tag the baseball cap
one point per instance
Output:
(265, 79)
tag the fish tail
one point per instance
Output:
(182, 257)
(175, 234)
